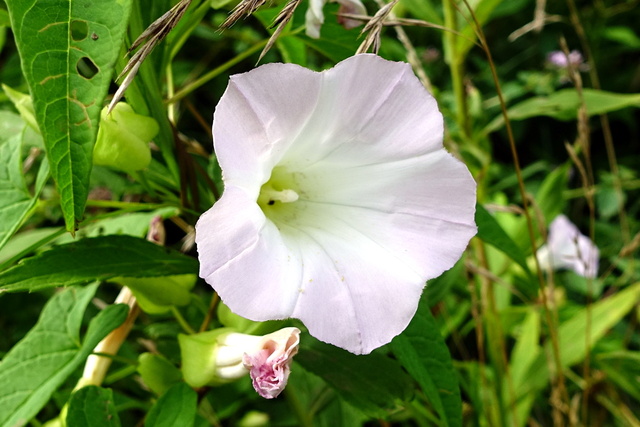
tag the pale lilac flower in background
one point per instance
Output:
(267, 359)
(567, 248)
(558, 59)
(340, 200)
(314, 17)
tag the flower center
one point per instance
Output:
(279, 194)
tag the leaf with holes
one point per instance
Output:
(68, 49)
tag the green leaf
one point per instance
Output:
(15, 200)
(623, 369)
(98, 258)
(549, 197)
(489, 231)
(564, 104)
(24, 105)
(4, 19)
(423, 353)
(371, 383)
(67, 57)
(622, 35)
(437, 288)
(36, 366)
(157, 295)
(335, 42)
(525, 352)
(572, 336)
(92, 406)
(176, 408)
(482, 10)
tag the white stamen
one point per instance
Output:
(284, 196)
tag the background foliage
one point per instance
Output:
(495, 341)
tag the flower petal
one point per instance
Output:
(369, 111)
(259, 112)
(243, 257)
(380, 206)
(568, 248)
(314, 18)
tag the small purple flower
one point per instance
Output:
(558, 59)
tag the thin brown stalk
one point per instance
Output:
(151, 37)
(281, 21)
(412, 55)
(604, 121)
(477, 321)
(586, 174)
(540, 19)
(373, 29)
(407, 22)
(215, 298)
(514, 154)
(243, 9)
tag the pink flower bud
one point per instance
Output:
(269, 363)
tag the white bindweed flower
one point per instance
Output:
(567, 248)
(340, 200)
(314, 17)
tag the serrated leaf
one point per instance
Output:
(564, 105)
(98, 258)
(423, 353)
(67, 57)
(371, 383)
(489, 231)
(15, 199)
(176, 408)
(92, 406)
(36, 366)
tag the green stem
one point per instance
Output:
(216, 72)
(456, 66)
(115, 204)
(181, 320)
(224, 67)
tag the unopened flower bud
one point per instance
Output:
(220, 356)
(123, 139)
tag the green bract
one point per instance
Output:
(199, 353)
(123, 139)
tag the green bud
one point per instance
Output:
(123, 139)
(254, 419)
(156, 295)
(231, 320)
(199, 354)
(157, 372)
(24, 105)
